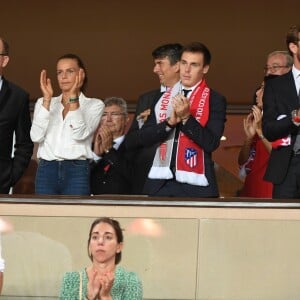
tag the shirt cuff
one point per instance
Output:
(2, 265)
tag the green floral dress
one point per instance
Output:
(127, 286)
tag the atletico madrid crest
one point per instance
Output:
(190, 157)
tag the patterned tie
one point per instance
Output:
(185, 92)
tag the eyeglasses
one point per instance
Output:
(113, 115)
(273, 69)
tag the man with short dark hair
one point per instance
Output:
(187, 122)
(14, 121)
(166, 66)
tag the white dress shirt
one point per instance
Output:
(190, 88)
(69, 138)
(296, 74)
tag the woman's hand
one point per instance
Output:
(94, 285)
(75, 90)
(257, 114)
(107, 281)
(46, 88)
(249, 126)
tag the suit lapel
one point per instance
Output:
(290, 87)
(3, 93)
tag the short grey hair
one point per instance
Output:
(288, 57)
(118, 102)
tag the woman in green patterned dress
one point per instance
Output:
(103, 280)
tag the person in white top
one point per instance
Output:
(63, 127)
(2, 267)
(5, 226)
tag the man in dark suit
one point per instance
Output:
(14, 121)
(188, 129)
(166, 66)
(111, 169)
(281, 102)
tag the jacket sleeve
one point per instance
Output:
(277, 108)
(23, 144)
(208, 137)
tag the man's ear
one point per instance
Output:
(176, 67)
(293, 48)
(5, 61)
(205, 69)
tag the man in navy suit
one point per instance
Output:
(166, 66)
(14, 121)
(111, 170)
(186, 122)
(281, 107)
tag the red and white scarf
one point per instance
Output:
(161, 164)
(190, 166)
(283, 142)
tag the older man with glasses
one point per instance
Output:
(278, 63)
(111, 169)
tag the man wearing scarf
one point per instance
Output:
(166, 66)
(187, 122)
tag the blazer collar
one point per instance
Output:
(3, 92)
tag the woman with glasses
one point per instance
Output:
(103, 279)
(63, 127)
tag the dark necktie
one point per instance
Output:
(185, 92)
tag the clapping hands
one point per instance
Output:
(99, 286)
(103, 140)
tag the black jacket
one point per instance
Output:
(280, 99)
(112, 173)
(14, 119)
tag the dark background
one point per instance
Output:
(115, 39)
